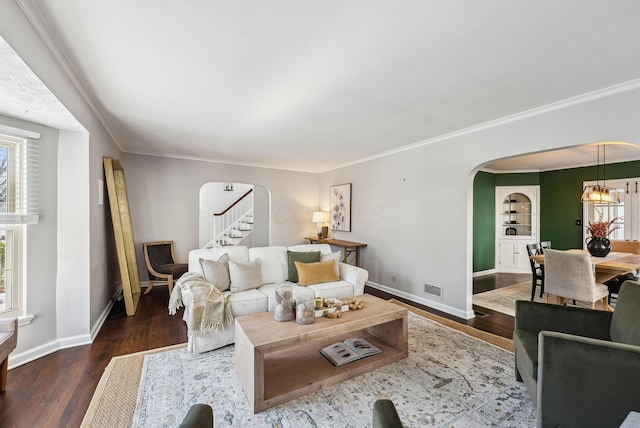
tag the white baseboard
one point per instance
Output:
(484, 272)
(421, 300)
(16, 360)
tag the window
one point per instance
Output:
(18, 179)
(626, 213)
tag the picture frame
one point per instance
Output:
(340, 208)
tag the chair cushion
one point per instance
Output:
(316, 273)
(216, 272)
(245, 276)
(175, 269)
(625, 323)
(300, 256)
(526, 343)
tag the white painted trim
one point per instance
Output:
(426, 302)
(20, 133)
(73, 341)
(101, 320)
(16, 360)
(484, 272)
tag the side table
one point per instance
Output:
(348, 246)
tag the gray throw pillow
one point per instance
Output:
(216, 272)
(245, 276)
(300, 256)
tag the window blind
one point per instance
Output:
(18, 180)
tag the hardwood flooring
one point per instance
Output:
(55, 391)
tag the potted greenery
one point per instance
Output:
(598, 243)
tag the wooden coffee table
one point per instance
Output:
(279, 361)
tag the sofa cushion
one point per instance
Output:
(238, 254)
(300, 256)
(337, 289)
(316, 273)
(273, 262)
(337, 256)
(526, 342)
(245, 276)
(248, 302)
(303, 248)
(216, 272)
(297, 292)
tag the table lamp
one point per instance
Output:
(320, 217)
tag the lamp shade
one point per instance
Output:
(319, 217)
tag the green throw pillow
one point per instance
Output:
(300, 256)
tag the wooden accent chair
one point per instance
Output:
(570, 275)
(620, 246)
(8, 342)
(159, 257)
(580, 366)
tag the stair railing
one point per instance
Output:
(231, 222)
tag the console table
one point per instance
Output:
(348, 246)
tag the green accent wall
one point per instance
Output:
(560, 206)
(484, 227)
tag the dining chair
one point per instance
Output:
(570, 275)
(622, 246)
(537, 270)
(545, 245)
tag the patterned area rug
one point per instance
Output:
(450, 379)
(504, 299)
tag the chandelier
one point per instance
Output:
(600, 194)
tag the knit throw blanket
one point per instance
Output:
(209, 308)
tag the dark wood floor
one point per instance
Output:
(55, 391)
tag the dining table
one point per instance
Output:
(609, 266)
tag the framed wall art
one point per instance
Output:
(340, 209)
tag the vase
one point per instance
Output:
(598, 247)
(283, 310)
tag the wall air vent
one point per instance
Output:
(433, 290)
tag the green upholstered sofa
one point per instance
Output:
(385, 414)
(581, 367)
(198, 416)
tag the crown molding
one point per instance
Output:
(630, 85)
(35, 16)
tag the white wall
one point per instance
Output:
(99, 272)
(164, 199)
(414, 208)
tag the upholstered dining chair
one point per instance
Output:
(537, 270)
(570, 275)
(160, 259)
(8, 342)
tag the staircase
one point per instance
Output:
(233, 225)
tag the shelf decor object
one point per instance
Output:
(340, 199)
(600, 194)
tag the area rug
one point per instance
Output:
(450, 379)
(504, 299)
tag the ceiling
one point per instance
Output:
(314, 85)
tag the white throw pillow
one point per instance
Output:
(245, 276)
(337, 256)
(216, 272)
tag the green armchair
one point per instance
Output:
(581, 367)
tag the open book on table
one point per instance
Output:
(351, 349)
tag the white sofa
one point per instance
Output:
(274, 267)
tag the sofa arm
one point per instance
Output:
(355, 275)
(535, 316)
(586, 382)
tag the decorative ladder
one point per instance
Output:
(233, 224)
